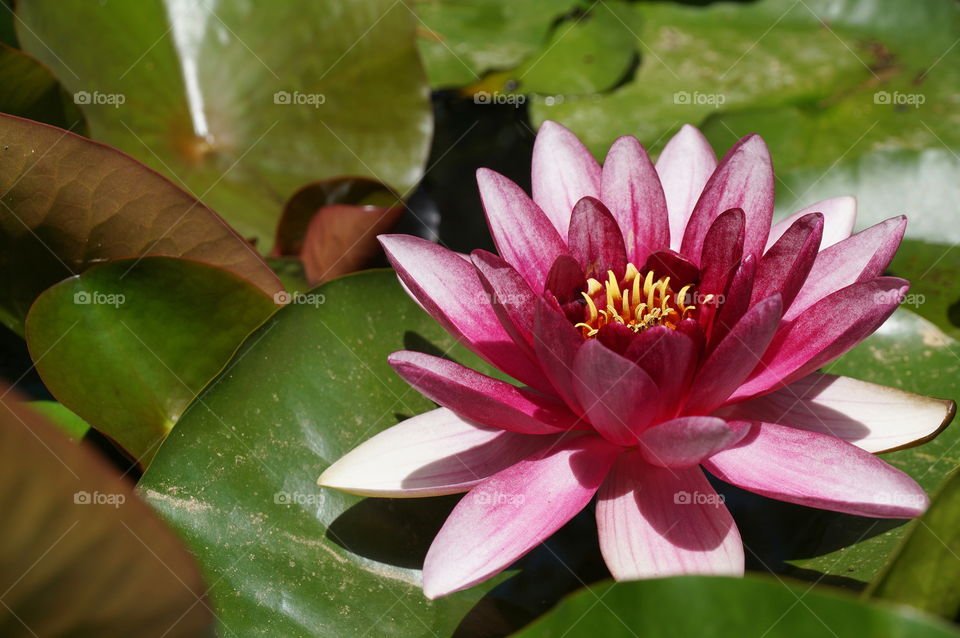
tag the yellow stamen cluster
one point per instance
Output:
(637, 302)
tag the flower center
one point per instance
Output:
(638, 302)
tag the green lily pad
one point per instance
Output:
(696, 61)
(236, 476)
(242, 103)
(910, 353)
(933, 271)
(925, 570)
(237, 479)
(67, 203)
(460, 41)
(128, 344)
(852, 97)
(62, 417)
(82, 554)
(587, 53)
(726, 607)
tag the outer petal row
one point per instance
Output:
(654, 522)
(873, 417)
(818, 470)
(514, 510)
(430, 454)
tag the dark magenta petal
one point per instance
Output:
(618, 398)
(670, 357)
(828, 329)
(556, 342)
(448, 287)
(565, 279)
(617, 337)
(722, 251)
(734, 358)
(482, 399)
(510, 296)
(736, 301)
(743, 179)
(784, 267)
(595, 240)
(858, 258)
(667, 263)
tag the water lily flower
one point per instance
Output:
(658, 326)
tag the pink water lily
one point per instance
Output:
(659, 327)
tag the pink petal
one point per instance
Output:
(447, 286)
(522, 233)
(631, 189)
(670, 358)
(655, 523)
(829, 328)
(564, 172)
(430, 454)
(617, 337)
(817, 470)
(839, 216)
(510, 513)
(565, 280)
(618, 398)
(722, 250)
(873, 417)
(859, 258)
(482, 399)
(734, 357)
(556, 343)
(510, 296)
(744, 179)
(667, 263)
(736, 301)
(684, 166)
(595, 239)
(785, 266)
(688, 440)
